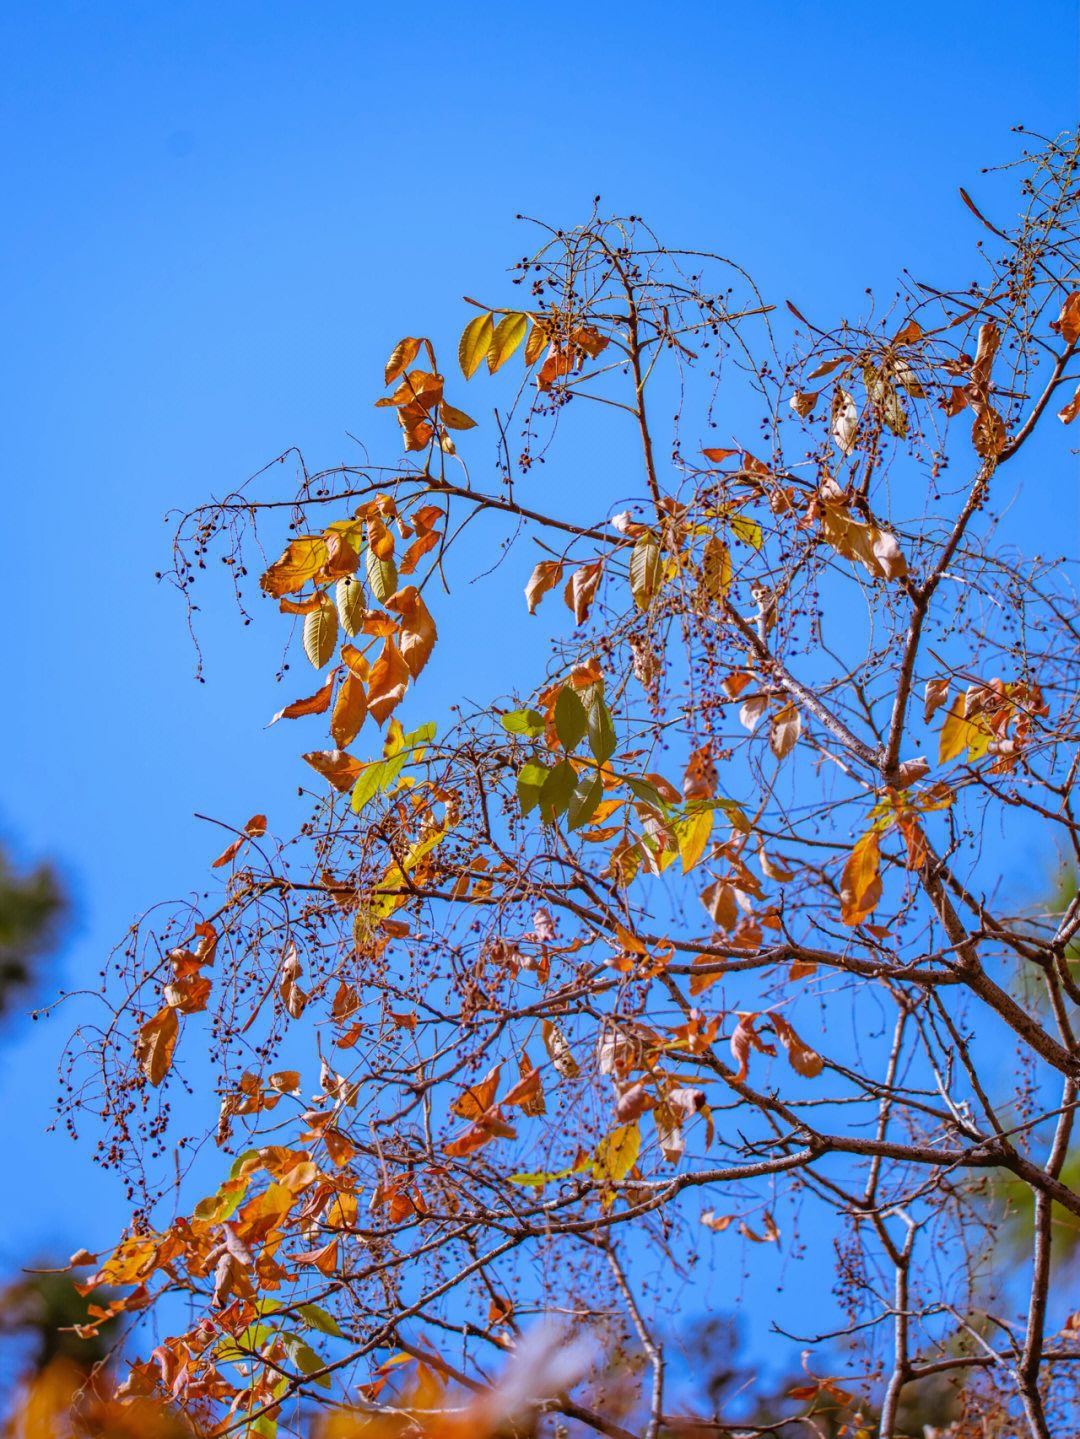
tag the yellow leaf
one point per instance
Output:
(617, 1154)
(304, 556)
(693, 835)
(509, 333)
(474, 345)
(538, 338)
(957, 733)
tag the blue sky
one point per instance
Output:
(219, 220)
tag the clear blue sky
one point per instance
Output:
(220, 217)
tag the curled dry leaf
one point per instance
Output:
(745, 1038)
(529, 1091)
(581, 589)
(544, 577)
(699, 781)
(803, 401)
(350, 711)
(315, 704)
(751, 710)
(156, 1043)
(559, 1050)
(292, 995)
(633, 1103)
(228, 853)
(911, 771)
(1067, 324)
(936, 695)
(845, 421)
(801, 1057)
(1069, 412)
(716, 1222)
(784, 731)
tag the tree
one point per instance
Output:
(31, 908)
(690, 936)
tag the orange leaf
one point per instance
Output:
(350, 711)
(1067, 323)
(302, 559)
(315, 704)
(341, 769)
(581, 589)
(418, 633)
(229, 852)
(544, 577)
(155, 1044)
(473, 1102)
(256, 826)
(402, 356)
(860, 882)
(389, 678)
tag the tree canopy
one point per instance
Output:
(707, 936)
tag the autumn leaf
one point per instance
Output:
(558, 1050)
(320, 634)
(350, 711)
(315, 704)
(507, 336)
(544, 577)
(389, 678)
(801, 1057)
(474, 344)
(401, 357)
(1067, 324)
(784, 731)
(645, 571)
(1069, 412)
(472, 1102)
(845, 421)
(860, 882)
(418, 633)
(228, 853)
(351, 604)
(302, 559)
(581, 589)
(156, 1043)
(335, 765)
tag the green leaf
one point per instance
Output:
(602, 740)
(265, 1426)
(320, 634)
(571, 721)
(318, 1319)
(530, 781)
(351, 604)
(381, 576)
(238, 1163)
(645, 571)
(647, 793)
(368, 784)
(523, 722)
(588, 792)
(558, 787)
(305, 1358)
